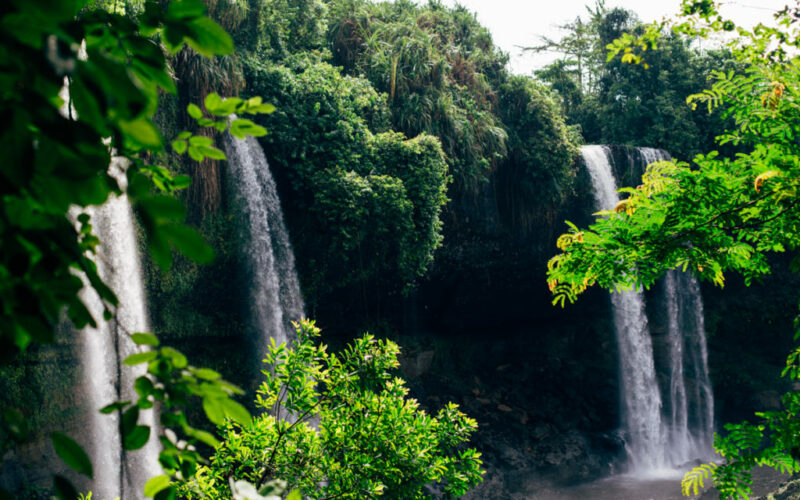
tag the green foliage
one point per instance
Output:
(615, 102)
(172, 383)
(692, 482)
(435, 64)
(539, 169)
(288, 27)
(341, 426)
(56, 161)
(723, 213)
(581, 48)
(372, 202)
(72, 454)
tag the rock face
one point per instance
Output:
(41, 385)
(788, 491)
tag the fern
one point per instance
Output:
(692, 481)
(792, 364)
(744, 436)
(782, 463)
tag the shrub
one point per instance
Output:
(349, 431)
(364, 203)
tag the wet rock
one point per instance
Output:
(789, 491)
(768, 400)
(417, 365)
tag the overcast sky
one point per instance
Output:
(515, 23)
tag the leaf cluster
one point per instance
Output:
(81, 85)
(437, 66)
(341, 426)
(369, 203)
(172, 383)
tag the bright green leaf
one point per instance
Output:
(145, 339)
(156, 484)
(137, 438)
(179, 146)
(139, 358)
(195, 112)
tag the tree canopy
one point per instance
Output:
(618, 103)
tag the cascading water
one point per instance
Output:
(274, 287)
(641, 398)
(118, 473)
(659, 433)
(691, 419)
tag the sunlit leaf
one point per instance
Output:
(144, 339)
(156, 484)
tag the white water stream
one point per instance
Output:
(661, 432)
(274, 287)
(641, 398)
(691, 419)
(118, 473)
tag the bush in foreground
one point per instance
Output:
(341, 426)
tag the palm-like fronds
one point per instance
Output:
(435, 65)
(197, 77)
(230, 14)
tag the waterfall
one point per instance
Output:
(274, 287)
(117, 472)
(641, 398)
(691, 419)
(659, 433)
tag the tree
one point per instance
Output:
(367, 204)
(618, 103)
(581, 47)
(538, 172)
(437, 66)
(350, 433)
(722, 213)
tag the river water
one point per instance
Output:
(621, 487)
(666, 485)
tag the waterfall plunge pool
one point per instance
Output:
(664, 484)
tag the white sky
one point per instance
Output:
(516, 23)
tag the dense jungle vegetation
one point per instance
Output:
(387, 125)
(347, 78)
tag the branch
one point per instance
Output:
(268, 466)
(764, 221)
(722, 214)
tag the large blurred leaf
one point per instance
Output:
(72, 453)
(63, 489)
(141, 132)
(185, 9)
(208, 38)
(189, 242)
(156, 484)
(137, 437)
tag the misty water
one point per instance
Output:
(276, 300)
(119, 473)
